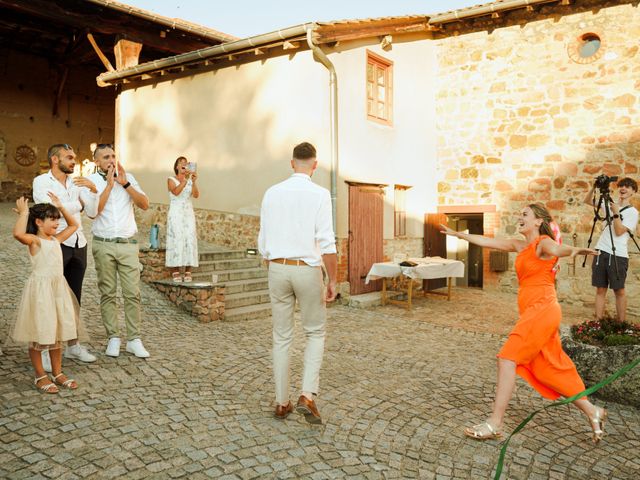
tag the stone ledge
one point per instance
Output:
(597, 363)
(203, 300)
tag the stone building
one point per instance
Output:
(48, 67)
(463, 116)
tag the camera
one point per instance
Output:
(603, 181)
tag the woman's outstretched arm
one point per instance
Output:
(553, 249)
(506, 244)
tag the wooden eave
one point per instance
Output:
(357, 29)
(63, 18)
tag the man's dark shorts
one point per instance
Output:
(603, 271)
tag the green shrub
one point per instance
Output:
(615, 339)
(607, 331)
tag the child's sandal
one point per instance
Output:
(47, 387)
(69, 383)
(177, 278)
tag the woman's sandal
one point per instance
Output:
(176, 277)
(187, 277)
(483, 431)
(47, 387)
(597, 423)
(69, 383)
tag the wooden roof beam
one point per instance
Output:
(105, 61)
(339, 33)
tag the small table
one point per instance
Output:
(427, 268)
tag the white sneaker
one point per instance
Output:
(46, 361)
(113, 347)
(78, 352)
(135, 346)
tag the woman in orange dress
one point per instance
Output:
(533, 349)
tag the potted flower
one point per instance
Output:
(601, 347)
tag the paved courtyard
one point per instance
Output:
(397, 389)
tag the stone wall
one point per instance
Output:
(231, 230)
(411, 247)
(203, 301)
(520, 121)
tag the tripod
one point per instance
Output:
(606, 199)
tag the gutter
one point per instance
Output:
(320, 57)
(229, 48)
(480, 10)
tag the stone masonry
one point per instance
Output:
(520, 121)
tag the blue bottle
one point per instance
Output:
(154, 236)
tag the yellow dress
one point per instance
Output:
(534, 343)
(48, 312)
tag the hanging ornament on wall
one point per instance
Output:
(25, 156)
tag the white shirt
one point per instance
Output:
(295, 221)
(117, 219)
(72, 198)
(630, 221)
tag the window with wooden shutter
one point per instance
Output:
(379, 88)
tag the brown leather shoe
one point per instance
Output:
(283, 411)
(308, 408)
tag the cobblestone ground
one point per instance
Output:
(397, 389)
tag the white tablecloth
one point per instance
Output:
(428, 267)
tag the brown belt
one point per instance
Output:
(287, 261)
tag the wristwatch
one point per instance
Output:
(616, 216)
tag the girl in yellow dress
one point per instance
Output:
(48, 313)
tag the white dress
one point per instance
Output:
(182, 240)
(48, 312)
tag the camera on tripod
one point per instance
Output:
(603, 181)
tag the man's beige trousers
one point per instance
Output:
(115, 260)
(288, 283)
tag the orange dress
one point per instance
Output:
(534, 343)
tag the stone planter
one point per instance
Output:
(597, 363)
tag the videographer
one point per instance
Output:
(608, 271)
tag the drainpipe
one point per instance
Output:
(322, 58)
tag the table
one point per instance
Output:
(427, 268)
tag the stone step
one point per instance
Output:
(373, 299)
(251, 312)
(232, 275)
(249, 285)
(210, 255)
(211, 266)
(244, 299)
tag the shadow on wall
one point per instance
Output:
(238, 151)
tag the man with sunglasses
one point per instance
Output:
(77, 195)
(115, 250)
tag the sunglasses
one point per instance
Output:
(104, 145)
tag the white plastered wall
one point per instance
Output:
(240, 125)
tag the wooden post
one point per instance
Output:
(384, 290)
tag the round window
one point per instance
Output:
(586, 48)
(590, 44)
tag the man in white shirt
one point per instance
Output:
(77, 195)
(296, 238)
(609, 269)
(114, 249)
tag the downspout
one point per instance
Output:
(322, 58)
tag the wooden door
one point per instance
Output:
(365, 235)
(435, 245)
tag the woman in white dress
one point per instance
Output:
(182, 240)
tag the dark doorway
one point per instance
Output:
(468, 253)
